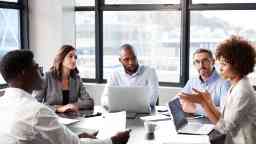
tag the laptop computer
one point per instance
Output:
(184, 126)
(129, 99)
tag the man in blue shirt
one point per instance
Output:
(208, 80)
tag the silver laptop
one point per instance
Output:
(130, 99)
(182, 125)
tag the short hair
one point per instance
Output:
(203, 50)
(58, 60)
(239, 53)
(127, 46)
(14, 62)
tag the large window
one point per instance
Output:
(165, 33)
(142, 1)
(8, 0)
(85, 43)
(85, 2)
(223, 1)
(154, 35)
(9, 32)
(208, 28)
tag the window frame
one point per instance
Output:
(22, 7)
(185, 7)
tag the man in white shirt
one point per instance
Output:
(23, 119)
(133, 74)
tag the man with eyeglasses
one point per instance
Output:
(208, 80)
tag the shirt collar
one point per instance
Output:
(17, 92)
(138, 72)
(212, 77)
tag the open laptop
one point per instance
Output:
(184, 126)
(130, 99)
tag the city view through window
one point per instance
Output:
(9, 32)
(156, 38)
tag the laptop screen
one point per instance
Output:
(133, 99)
(178, 115)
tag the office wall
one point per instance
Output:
(51, 24)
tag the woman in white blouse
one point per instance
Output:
(237, 118)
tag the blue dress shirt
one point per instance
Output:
(215, 85)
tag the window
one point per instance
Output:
(85, 2)
(12, 33)
(208, 28)
(8, 0)
(9, 32)
(155, 36)
(223, 1)
(164, 33)
(142, 1)
(85, 43)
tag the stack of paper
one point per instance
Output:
(156, 117)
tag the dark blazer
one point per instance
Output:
(52, 95)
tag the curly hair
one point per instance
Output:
(239, 53)
(57, 64)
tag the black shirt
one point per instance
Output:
(65, 94)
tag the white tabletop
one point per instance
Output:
(164, 134)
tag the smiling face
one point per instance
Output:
(204, 64)
(69, 61)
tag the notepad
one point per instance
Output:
(67, 121)
(157, 117)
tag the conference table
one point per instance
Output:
(109, 123)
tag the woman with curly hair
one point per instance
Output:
(237, 119)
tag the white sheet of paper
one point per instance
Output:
(112, 123)
(67, 121)
(157, 117)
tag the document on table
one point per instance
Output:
(112, 123)
(67, 121)
(156, 117)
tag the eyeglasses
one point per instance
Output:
(203, 62)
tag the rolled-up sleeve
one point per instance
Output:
(47, 127)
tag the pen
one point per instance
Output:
(93, 115)
(198, 116)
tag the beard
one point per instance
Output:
(204, 72)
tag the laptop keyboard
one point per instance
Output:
(193, 126)
(198, 128)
